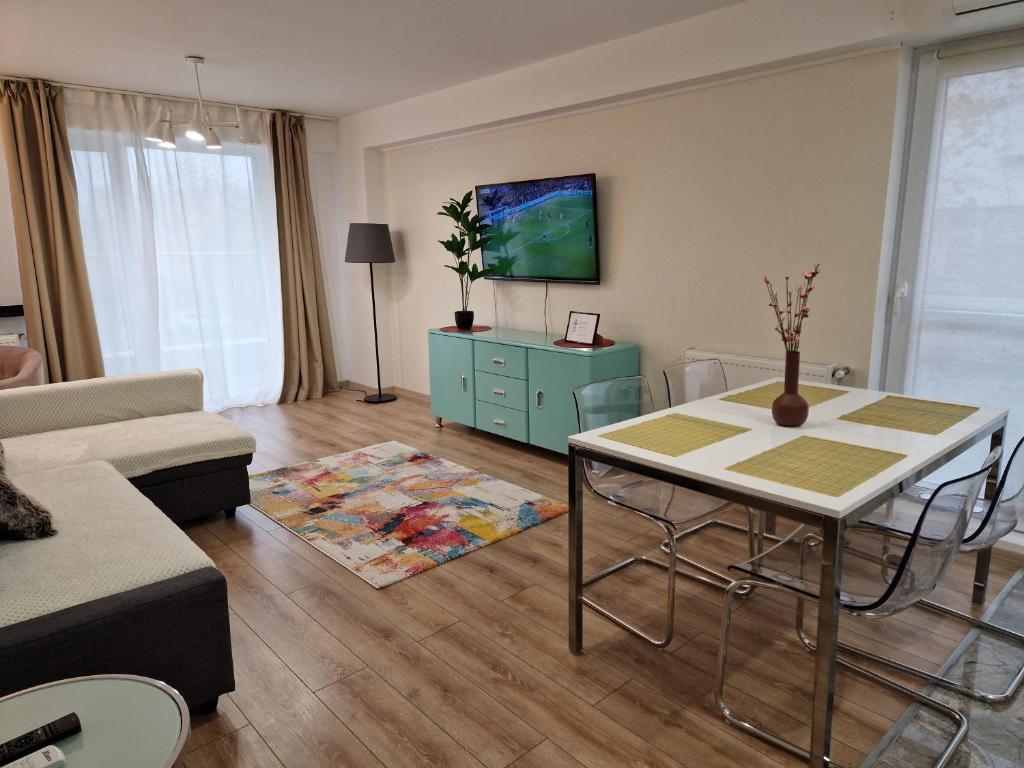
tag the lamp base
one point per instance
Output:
(386, 397)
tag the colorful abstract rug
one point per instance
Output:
(388, 512)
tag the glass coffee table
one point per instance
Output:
(127, 721)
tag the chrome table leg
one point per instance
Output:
(827, 637)
(981, 568)
(575, 552)
(984, 561)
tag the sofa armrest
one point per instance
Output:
(49, 407)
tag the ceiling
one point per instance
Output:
(331, 57)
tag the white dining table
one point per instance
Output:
(706, 470)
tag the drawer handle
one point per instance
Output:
(462, 382)
(540, 398)
(498, 392)
(499, 423)
(499, 362)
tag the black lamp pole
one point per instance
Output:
(371, 244)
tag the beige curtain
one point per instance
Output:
(309, 370)
(55, 287)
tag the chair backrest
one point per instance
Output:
(602, 404)
(1004, 510)
(612, 400)
(932, 547)
(694, 380)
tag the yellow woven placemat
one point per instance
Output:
(822, 466)
(910, 414)
(674, 434)
(763, 397)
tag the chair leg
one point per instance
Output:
(670, 606)
(956, 717)
(995, 629)
(908, 669)
(755, 542)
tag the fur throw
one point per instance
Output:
(20, 516)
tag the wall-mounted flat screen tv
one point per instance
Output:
(544, 230)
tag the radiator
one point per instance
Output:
(741, 370)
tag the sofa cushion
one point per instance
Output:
(135, 447)
(69, 404)
(112, 539)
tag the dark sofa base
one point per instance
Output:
(175, 630)
(197, 490)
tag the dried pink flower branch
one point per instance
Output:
(789, 318)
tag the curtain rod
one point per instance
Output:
(80, 87)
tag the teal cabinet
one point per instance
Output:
(552, 378)
(518, 384)
(507, 422)
(452, 386)
(501, 390)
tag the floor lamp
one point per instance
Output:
(371, 244)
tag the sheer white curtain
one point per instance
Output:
(958, 316)
(181, 246)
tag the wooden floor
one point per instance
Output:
(467, 664)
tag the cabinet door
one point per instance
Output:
(451, 379)
(552, 377)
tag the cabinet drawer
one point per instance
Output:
(502, 359)
(501, 390)
(500, 420)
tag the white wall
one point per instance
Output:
(325, 185)
(699, 195)
(743, 40)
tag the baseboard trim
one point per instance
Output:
(418, 397)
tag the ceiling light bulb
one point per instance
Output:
(153, 131)
(195, 126)
(212, 139)
(167, 136)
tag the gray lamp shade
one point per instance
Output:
(369, 244)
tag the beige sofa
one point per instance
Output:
(120, 588)
(151, 428)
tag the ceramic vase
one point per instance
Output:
(789, 408)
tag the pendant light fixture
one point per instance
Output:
(195, 125)
(200, 128)
(167, 137)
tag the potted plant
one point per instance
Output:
(470, 235)
(789, 408)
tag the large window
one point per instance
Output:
(957, 321)
(181, 249)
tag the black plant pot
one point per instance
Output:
(464, 320)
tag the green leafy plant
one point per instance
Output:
(471, 234)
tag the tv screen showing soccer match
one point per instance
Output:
(544, 229)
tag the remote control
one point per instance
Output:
(43, 736)
(47, 757)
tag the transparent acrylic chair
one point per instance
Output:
(605, 403)
(990, 520)
(882, 576)
(693, 380)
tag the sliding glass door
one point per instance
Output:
(957, 310)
